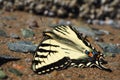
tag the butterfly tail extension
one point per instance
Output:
(101, 66)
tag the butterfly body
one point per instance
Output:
(63, 47)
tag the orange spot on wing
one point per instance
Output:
(90, 54)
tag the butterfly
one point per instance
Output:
(63, 47)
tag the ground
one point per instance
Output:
(24, 64)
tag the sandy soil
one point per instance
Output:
(15, 26)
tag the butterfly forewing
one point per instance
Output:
(68, 35)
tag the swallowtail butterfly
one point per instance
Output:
(63, 47)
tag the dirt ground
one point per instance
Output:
(21, 22)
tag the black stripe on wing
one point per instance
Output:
(63, 28)
(60, 31)
(40, 56)
(44, 50)
(59, 65)
(45, 44)
(83, 39)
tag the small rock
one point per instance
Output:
(19, 5)
(46, 12)
(32, 23)
(8, 6)
(3, 33)
(3, 24)
(105, 32)
(62, 13)
(101, 22)
(101, 32)
(98, 39)
(109, 54)
(22, 46)
(86, 30)
(7, 58)
(113, 55)
(15, 71)
(15, 36)
(8, 18)
(39, 8)
(64, 22)
(112, 48)
(28, 60)
(27, 33)
(116, 25)
(68, 76)
(51, 13)
(81, 76)
(109, 21)
(2, 75)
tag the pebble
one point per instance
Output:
(3, 24)
(27, 33)
(51, 14)
(7, 58)
(109, 22)
(22, 46)
(28, 60)
(62, 13)
(9, 6)
(101, 32)
(109, 54)
(15, 71)
(85, 30)
(64, 22)
(104, 31)
(19, 5)
(111, 48)
(39, 8)
(68, 76)
(3, 76)
(98, 39)
(15, 36)
(32, 23)
(3, 33)
(8, 18)
(116, 25)
(81, 76)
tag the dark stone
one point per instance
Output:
(15, 36)
(81, 76)
(112, 48)
(7, 58)
(3, 76)
(3, 33)
(15, 71)
(27, 33)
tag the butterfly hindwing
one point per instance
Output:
(47, 59)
